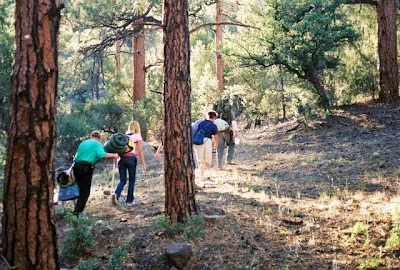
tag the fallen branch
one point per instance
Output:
(292, 222)
(293, 128)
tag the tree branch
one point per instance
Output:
(368, 2)
(221, 23)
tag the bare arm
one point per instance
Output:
(159, 149)
(111, 155)
(216, 140)
(141, 155)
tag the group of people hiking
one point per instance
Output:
(92, 150)
(218, 132)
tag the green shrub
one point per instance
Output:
(117, 257)
(393, 242)
(192, 228)
(171, 229)
(79, 239)
(246, 267)
(372, 263)
(91, 264)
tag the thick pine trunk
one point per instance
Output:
(29, 233)
(179, 177)
(387, 47)
(218, 47)
(139, 72)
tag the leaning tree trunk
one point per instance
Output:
(118, 46)
(311, 75)
(179, 177)
(96, 76)
(387, 47)
(218, 46)
(29, 233)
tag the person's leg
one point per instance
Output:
(195, 159)
(203, 167)
(220, 150)
(131, 163)
(231, 152)
(208, 147)
(83, 176)
(122, 177)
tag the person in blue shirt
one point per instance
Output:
(89, 152)
(204, 151)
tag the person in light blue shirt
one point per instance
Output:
(89, 152)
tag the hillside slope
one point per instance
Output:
(298, 198)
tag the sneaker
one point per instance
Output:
(199, 187)
(231, 163)
(131, 203)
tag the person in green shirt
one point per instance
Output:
(89, 152)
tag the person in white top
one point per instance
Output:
(227, 137)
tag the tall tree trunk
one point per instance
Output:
(29, 233)
(218, 46)
(387, 47)
(283, 99)
(179, 177)
(139, 71)
(96, 77)
(118, 45)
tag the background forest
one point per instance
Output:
(101, 44)
(277, 62)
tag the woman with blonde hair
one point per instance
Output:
(128, 163)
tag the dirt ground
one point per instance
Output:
(295, 199)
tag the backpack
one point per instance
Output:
(117, 143)
(195, 127)
(221, 124)
(198, 138)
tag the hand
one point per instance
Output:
(115, 156)
(144, 168)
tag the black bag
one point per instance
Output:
(66, 177)
(228, 136)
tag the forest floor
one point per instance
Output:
(298, 198)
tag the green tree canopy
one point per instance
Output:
(303, 36)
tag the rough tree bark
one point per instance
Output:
(387, 47)
(139, 71)
(179, 177)
(29, 233)
(218, 46)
